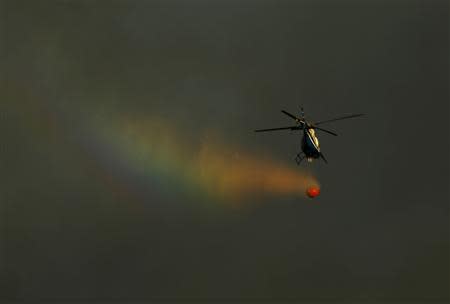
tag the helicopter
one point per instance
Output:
(310, 148)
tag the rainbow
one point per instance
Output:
(134, 152)
(160, 156)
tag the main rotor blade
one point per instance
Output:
(291, 115)
(324, 130)
(323, 157)
(276, 129)
(338, 118)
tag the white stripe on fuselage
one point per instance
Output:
(313, 138)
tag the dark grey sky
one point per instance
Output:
(380, 229)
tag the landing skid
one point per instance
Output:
(299, 158)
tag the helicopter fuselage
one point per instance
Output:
(310, 144)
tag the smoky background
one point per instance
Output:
(379, 231)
